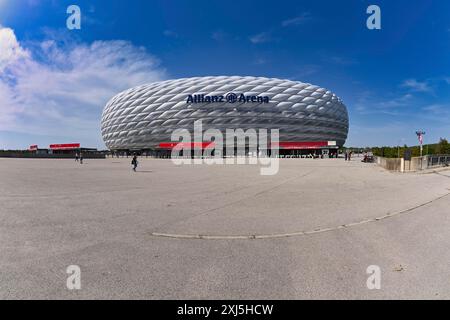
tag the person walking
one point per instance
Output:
(81, 158)
(346, 155)
(76, 157)
(134, 163)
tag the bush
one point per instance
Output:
(443, 147)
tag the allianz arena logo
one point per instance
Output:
(228, 98)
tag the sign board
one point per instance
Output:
(407, 155)
(231, 97)
(67, 146)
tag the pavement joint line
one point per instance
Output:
(292, 234)
(440, 174)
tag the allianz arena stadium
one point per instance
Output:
(310, 119)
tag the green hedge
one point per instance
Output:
(443, 147)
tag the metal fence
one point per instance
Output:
(415, 164)
(438, 161)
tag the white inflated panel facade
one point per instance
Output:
(145, 116)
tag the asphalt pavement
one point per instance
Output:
(222, 232)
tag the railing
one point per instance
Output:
(415, 164)
(438, 161)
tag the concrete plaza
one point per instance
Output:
(222, 232)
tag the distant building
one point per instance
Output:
(35, 149)
(68, 148)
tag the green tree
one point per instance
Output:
(443, 147)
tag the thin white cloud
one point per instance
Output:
(367, 104)
(439, 109)
(260, 38)
(267, 36)
(417, 86)
(439, 112)
(295, 21)
(219, 35)
(170, 33)
(58, 90)
(342, 60)
(260, 61)
(305, 71)
(401, 101)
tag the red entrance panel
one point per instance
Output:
(184, 145)
(301, 145)
(65, 146)
(34, 147)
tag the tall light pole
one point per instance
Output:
(398, 146)
(420, 134)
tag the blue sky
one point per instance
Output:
(54, 82)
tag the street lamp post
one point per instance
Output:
(420, 134)
(398, 146)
